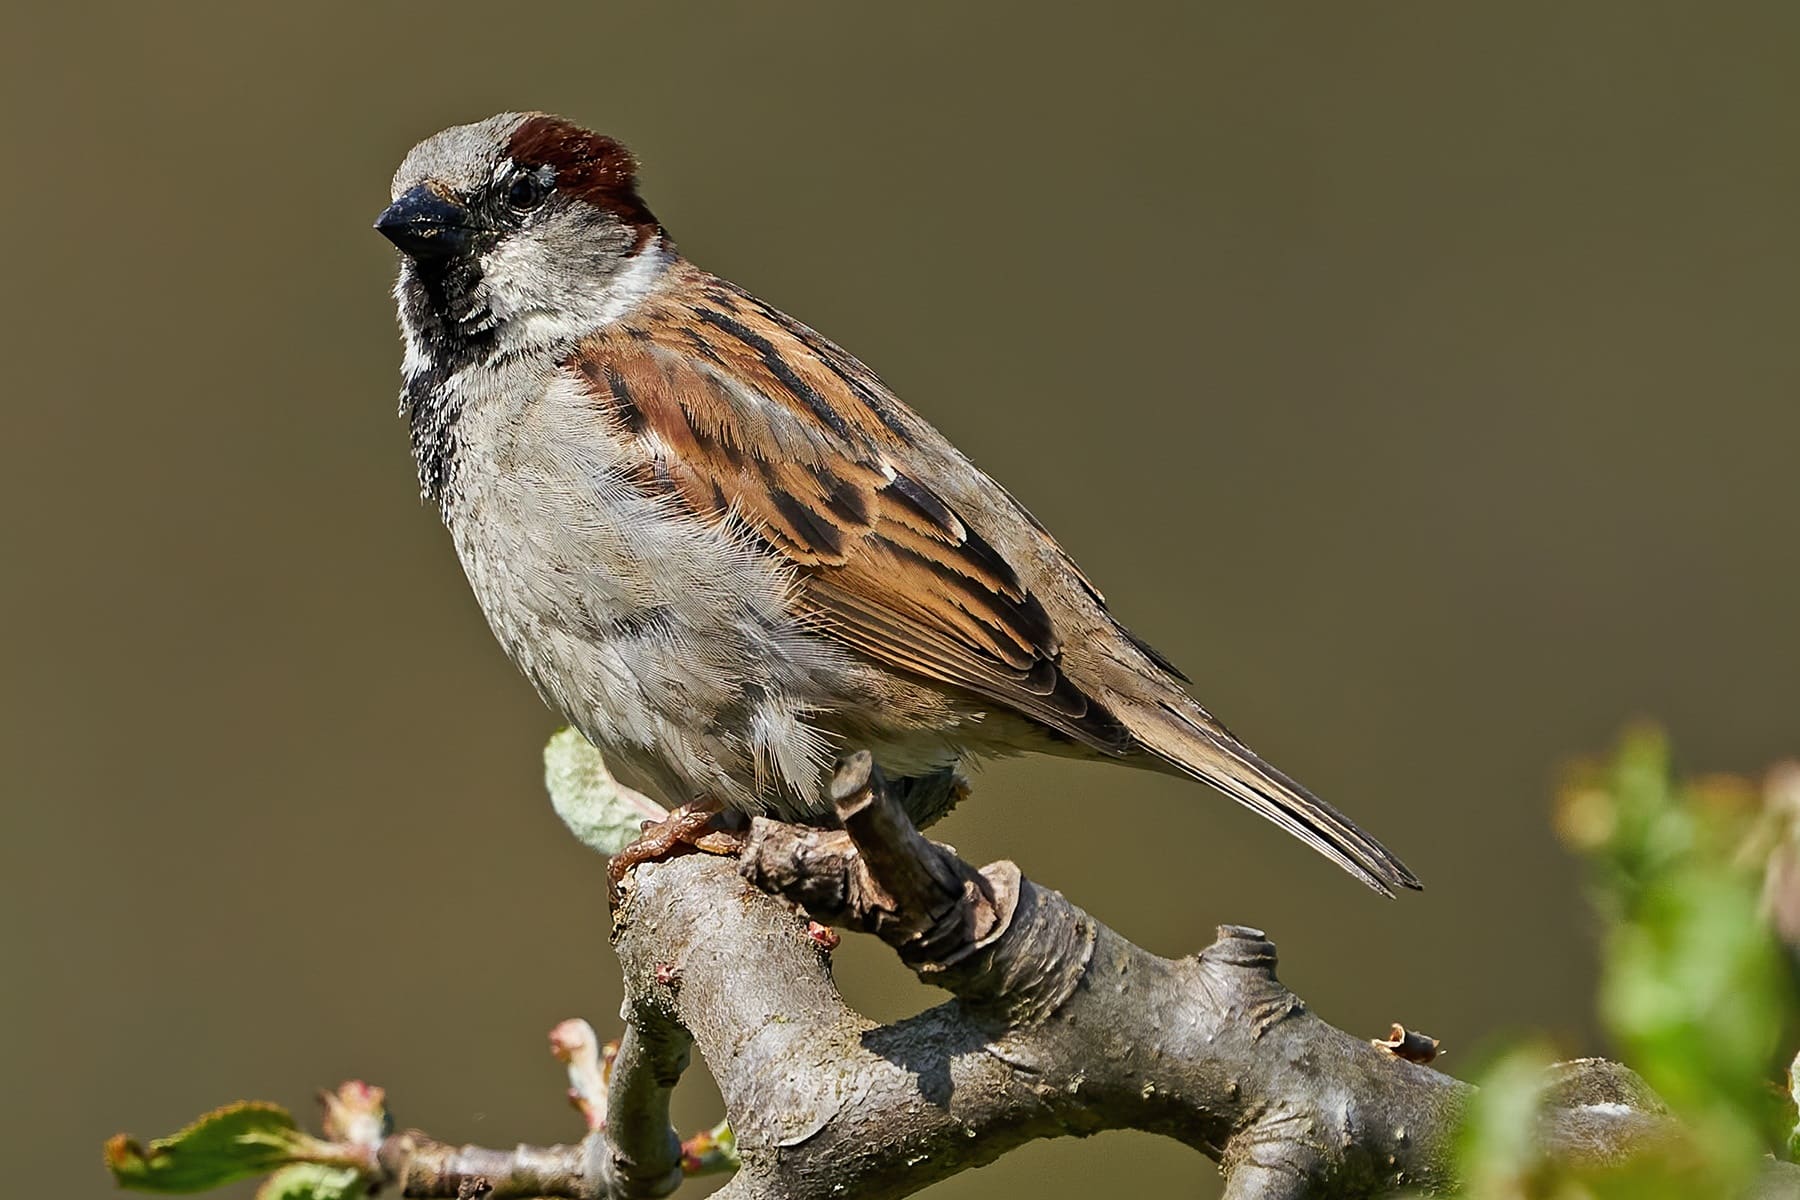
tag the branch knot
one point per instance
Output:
(1242, 946)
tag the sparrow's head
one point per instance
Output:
(518, 230)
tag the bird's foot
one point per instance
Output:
(703, 825)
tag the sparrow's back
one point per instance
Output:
(718, 543)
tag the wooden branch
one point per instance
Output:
(1057, 1025)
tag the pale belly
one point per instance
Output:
(669, 639)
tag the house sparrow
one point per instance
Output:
(718, 544)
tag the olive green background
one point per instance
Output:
(1421, 377)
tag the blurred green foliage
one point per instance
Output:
(1694, 885)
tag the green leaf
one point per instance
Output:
(226, 1144)
(598, 811)
(313, 1181)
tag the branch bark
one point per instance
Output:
(1057, 1025)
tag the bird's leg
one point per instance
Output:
(704, 825)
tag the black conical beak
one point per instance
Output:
(425, 225)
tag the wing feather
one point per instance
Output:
(747, 411)
(743, 412)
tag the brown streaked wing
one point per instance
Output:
(748, 411)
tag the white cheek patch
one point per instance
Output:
(631, 286)
(540, 308)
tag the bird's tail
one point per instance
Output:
(1194, 744)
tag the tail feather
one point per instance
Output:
(1195, 745)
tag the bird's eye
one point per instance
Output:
(526, 192)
